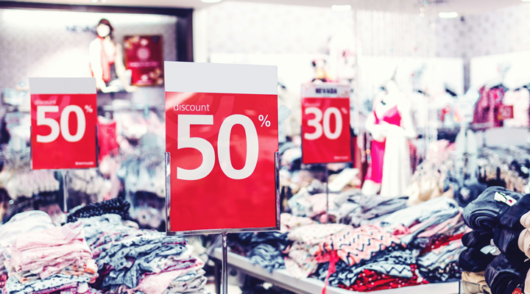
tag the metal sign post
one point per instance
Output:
(224, 233)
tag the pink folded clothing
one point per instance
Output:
(57, 236)
(39, 255)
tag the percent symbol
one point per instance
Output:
(88, 108)
(264, 120)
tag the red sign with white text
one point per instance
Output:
(63, 130)
(222, 148)
(144, 58)
(326, 136)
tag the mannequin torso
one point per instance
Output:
(390, 116)
(106, 61)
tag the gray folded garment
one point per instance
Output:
(371, 207)
(441, 206)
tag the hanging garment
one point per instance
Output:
(520, 100)
(396, 167)
(375, 170)
(487, 108)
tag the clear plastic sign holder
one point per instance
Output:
(223, 232)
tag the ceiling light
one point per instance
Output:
(211, 1)
(341, 7)
(525, 0)
(94, 1)
(448, 14)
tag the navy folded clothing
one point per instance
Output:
(266, 256)
(512, 217)
(473, 260)
(275, 239)
(477, 239)
(486, 211)
(507, 241)
(504, 275)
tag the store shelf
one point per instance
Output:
(283, 279)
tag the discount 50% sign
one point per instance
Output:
(63, 123)
(326, 136)
(221, 135)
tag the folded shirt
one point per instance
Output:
(492, 207)
(473, 260)
(358, 244)
(507, 241)
(39, 255)
(503, 275)
(267, 257)
(477, 239)
(54, 283)
(441, 206)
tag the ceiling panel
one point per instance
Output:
(463, 7)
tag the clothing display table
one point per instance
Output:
(283, 279)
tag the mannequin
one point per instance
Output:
(390, 124)
(106, 61)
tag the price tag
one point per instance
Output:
(63, 123)
(326, 136)
(222, 135)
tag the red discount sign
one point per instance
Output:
(63, 123)
(222, 136)
(326, 133)
(144, 58)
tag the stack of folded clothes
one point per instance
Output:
(56, 259)
(441, 264)
(264, 248)
(300, 260)
(135, 261)
(30, 221)
(496, 217)
(392, 246)
(419, 239)
(368, 248)
(359, 209)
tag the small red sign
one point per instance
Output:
(326, 136)
(144, 57)
(222, 144)
(63, 126)
(505, 112)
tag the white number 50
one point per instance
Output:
(223, 146)
(64, 129)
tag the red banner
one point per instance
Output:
(222, 144)
(326, 136)
(144, 57)
(63, 125)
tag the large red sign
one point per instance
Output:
(144, 58)
(222, 135)
(326, 133)
(63, 123)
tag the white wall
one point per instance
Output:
(38, 43)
